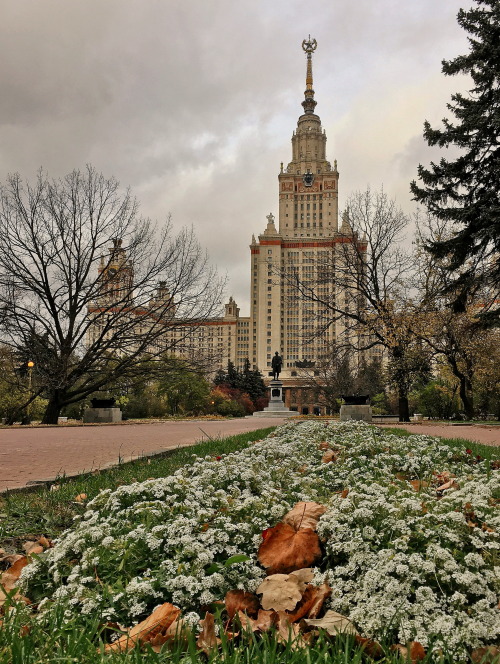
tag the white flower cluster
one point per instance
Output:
(397, 560)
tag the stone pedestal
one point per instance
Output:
(102, 415)
(355, 412)
(276, 407)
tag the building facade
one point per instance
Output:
(292, 247)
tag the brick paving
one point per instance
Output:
(30, 454)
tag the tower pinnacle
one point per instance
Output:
(309, 104)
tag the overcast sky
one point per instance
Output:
(192, 103)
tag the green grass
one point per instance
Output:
(41, 511)
(58, 641)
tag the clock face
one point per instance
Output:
(308, 179)
(112, 272)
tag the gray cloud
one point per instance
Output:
(193, 103)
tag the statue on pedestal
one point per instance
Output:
(276, 364)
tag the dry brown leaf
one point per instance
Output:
(9, 579)
(241, 600)
(322, 592)
(149, 630)
(280, 592)
(413, 652)
(451, 484)
(306, 603)
(177, 630)
(334, 623)
(45, 542)
(402, 477)
(284, 549)
(304, 577)
(266, 620)
(304, 515)
(324, 445)
(344, 493)
(487, 655)
(289, 633)
(372, 648)
(11, 558)
(329, 456)
(32, 548)
(81, 498)
(487, 528)
(418, 485)
(207, 639)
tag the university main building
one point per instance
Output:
(292, 246)
(290, 250)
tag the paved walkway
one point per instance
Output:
(479, 433)
(31, 454)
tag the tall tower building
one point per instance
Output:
(307, 229)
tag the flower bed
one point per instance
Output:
(401, 557)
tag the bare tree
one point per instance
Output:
(371, 304)
(459, 338)
(91, 288)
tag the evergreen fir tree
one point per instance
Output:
(466, 191)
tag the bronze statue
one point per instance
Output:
(276, 364)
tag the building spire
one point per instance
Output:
(309, 104)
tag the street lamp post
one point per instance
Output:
(30, 365)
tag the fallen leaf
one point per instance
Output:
(322, 592)
(418, 485)
(372, 648)
(241, 600)
(9, 579)
(304, 576)
(207, 639)
(148, 630)
(324, 445)
(289, 633)
(266, 620)
(487, 528)
(81, 498)
(11, 558)
(308, 601)
(334, 623)
(487, 655)
(177, 630)
(32, 548)
(344, 493)
(55, 487)
(451, 484)
(280, 592)
(413, 652)
(304, 515)
(45, 542)
(284, 549)
(329, 456)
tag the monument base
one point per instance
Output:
(355, 412)
(276, 407)
(102, 415)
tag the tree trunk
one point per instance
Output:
(404, 408)
(53, 409)
(466, 398)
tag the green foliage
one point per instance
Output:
(437, 400)
(464, 190)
